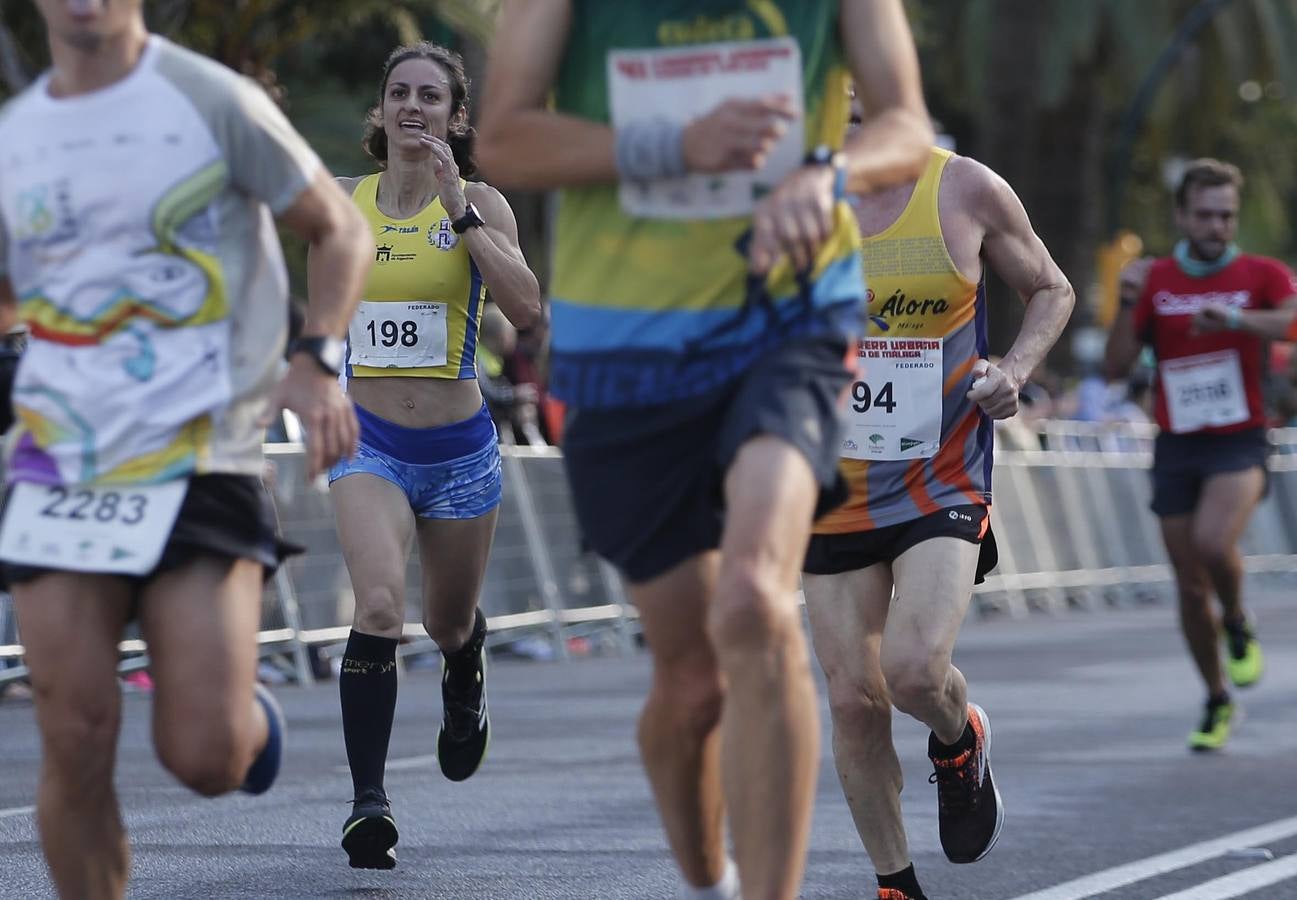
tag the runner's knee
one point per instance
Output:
(752, 609)
(690, 690)
(380, 611)
(916, 681)
(210, 758)
(861, 708)
(79, 740)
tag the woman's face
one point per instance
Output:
(417, 102)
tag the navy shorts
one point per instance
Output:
(229, 516)
(833, 554)
(648, 482)
(1182, 463)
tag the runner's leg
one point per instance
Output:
(70, 626)
(934, 583)
(678, 735)
(1193, 586)
(200, 621)
(848, 613)
(770, 727)
(1224, 508)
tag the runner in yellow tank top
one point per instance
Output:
(428, 465)
(920, 501)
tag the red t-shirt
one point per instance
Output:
(1208, 383)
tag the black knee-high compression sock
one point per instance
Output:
(367, 685)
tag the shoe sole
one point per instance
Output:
(999, 803)
(369, 843)
(277, 723)
(486, 726)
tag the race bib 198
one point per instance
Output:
(894, 410)
(1204, 391)
(120, 529)
(400, 335)
(680, 84)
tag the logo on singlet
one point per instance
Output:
(442, 236)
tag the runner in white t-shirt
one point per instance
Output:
(137, 187)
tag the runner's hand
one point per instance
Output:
(737, 134)
(325, 410)
(449, 190)
(1133, 277)
(993, 390)
(1210, 319)
(793, 220)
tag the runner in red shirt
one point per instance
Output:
(1209, 462)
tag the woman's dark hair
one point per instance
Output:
(461, 134)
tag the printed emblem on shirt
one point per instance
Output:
(442, 236)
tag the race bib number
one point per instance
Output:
(122, 530)
(894, 409)
(1204, 391)
(680, 84)
(399, 335)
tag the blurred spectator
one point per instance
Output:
(512, 406)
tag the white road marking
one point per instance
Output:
(1152, 866)
(16, 811)
(1244, 881)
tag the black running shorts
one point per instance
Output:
(229, 516)
(648, 482)
(832, 554)
(1182, 463)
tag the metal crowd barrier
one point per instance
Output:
(1072, 525)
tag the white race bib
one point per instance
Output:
(894, 411)
(90, 529)
(395, 335)
(680, 84)
(1204, 391)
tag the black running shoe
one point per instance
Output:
(465, 730)
(969, 809)
(370, 834)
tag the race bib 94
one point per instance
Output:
(894, 410)
(119, 529)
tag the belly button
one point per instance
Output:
(409, 404)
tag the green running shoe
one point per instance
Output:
(1244, 661)
(1214, 730)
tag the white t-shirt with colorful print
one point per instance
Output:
(136, 230)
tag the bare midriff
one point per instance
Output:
(417, 402)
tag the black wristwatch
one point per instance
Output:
(470, 219)
(824, 155)
(329, 353)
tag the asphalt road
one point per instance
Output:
(1089, 714)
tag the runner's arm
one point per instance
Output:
(893, 140)
(341, 251)
(494, 248)
(8, 306)
(1271, 324)
(522, 143)
(1013, 249)
(1124, 343)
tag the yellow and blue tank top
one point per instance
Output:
(424, 286)
(918, 298)
(647, 310)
